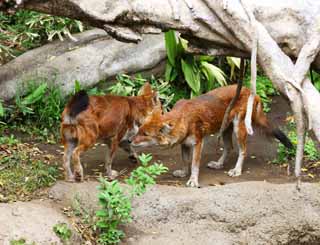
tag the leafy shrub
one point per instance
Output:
(129, 86)
(62, 231)
(311, 153)
(197, 71)
(26, 29)
(316, 78)
(265, 90)
(115, 201)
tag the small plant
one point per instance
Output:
(62, 231)
(26, 29)
(311, 153)
(115, 200)
(20, 241)
(129, 86)
(197, 71)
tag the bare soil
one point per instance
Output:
(257, 166)
(251, 212)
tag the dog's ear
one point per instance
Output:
(166, 128)
(145, 89)
(155, 99)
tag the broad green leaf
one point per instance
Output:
(205, 58)
(1, 110)
(77, 86)
(210, 84)
(233, 60)
(171, 46)
(182, 46)
(214, 73)
(168, 71)
(192, 77)
(35, 95)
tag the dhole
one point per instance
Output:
(190, 121)
(114, 119)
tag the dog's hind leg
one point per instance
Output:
(78, 170)
(69, 147)
(186, 154)
(227, 146)
(241, 135)
(110, 153)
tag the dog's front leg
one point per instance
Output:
(185, 153)
(196, 156)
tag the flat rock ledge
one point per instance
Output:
(240, 213)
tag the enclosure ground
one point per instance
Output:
(257, 166)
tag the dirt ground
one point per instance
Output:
(257, 166)
(224, 211)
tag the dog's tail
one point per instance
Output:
(260, 119)
(78, 103)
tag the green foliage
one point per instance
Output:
(311, 153)
(115, 201)
(316, 78)
(265, 89)
(26, 29)
(37, 112)
(20, 241)
(197, 71)
(23, 170)
(130, 86)
(62, 231)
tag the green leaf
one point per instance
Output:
(234, 61)
(192, 77)
(35, 95)
(77, 86)
(171, 46)
(1, 110)
(182, 46)
(214, 72)
(168, 72)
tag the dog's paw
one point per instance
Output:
(215, 165)
(234, 172)
(193, 182)
(78, 176)
(181, 173)
(112, 174)
(70, 178)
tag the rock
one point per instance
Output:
(241, 213)
(32, 221)
(94, 57)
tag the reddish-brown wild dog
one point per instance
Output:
(112, 118)
(190, 121)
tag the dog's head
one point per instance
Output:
(155, 131)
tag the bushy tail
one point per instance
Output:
(260, 119)
(278, 134)
(78, 103)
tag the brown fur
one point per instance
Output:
(191, 120)
(112, 118)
